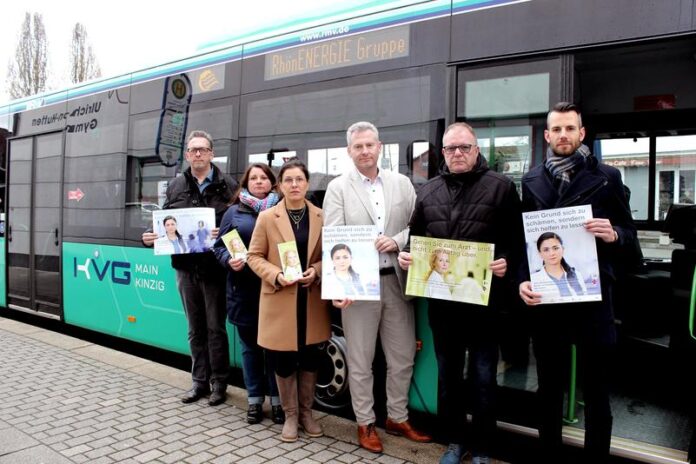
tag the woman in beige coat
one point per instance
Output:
(293, 319)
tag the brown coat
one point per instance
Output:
(278, 305)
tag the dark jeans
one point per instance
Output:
(457, 328)
(289, 362)
(594, 364)
(258, 368)
(204, 304)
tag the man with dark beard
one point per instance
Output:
(572, 176)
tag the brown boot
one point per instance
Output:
(308, 382)
(287, 388)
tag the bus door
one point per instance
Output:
(33, 224)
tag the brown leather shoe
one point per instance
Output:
(404, 429)
(368, 438)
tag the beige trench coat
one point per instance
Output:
(278, 305)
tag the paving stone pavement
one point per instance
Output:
(65, 400)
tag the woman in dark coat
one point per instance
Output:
(256, 194)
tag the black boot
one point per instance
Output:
(254, 414)
(277, 414)
(218, 396)
(195, 394)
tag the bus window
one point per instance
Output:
(145, 193)
(278, 157)
(420, 156)
(389, 159)
(675, 161)
(312, 119)
(331, 161)
(334, 161)
(630, 157)
(507, 149)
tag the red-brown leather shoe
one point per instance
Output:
(368, 438)
(404, 429)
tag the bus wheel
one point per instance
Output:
(332, 381)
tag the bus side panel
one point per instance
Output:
(125, 292)
(423, 393)
(3, 271)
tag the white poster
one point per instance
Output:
(562, 255)
(350, 263)
(185, 230)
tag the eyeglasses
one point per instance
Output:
(452, 149)
(201, 150)
(294, 180)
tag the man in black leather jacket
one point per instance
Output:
(468, 201)
(199, 277)
(572, 176)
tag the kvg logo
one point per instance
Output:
(120, 270)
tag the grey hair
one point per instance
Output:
(459, 125)
(202, 134)
(359, 127)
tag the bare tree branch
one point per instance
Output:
(28, 71)
(83, 63)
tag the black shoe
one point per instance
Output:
(218, 396)
(277, 414)
(254, 414)
(194, 394)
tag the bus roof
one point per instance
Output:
(329, 23)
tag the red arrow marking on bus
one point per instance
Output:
(75, 194)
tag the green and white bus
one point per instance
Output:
(85, 166)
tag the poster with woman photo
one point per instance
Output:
(562, 255)
(185, 230)
(451, 270)
(290, 260)
(235, 245)
(350, 263)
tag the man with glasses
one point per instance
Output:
(468, 201)
(369, 195)
(199, 277)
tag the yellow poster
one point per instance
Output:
(234, 244)
(290, 259)
(450, 270)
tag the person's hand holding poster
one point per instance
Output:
(450, 270)
(562, 255)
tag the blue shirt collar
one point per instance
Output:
(207, 181)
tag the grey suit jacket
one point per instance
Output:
(347, 203)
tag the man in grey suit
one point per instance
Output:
(363, 196)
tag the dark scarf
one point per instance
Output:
(258, 204)
(563, 167)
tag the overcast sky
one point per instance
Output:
(128, 35)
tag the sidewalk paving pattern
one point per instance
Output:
(65, 400)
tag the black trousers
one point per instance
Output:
(288, 362)
(204, 303)
(594, 365)
(458, 328)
